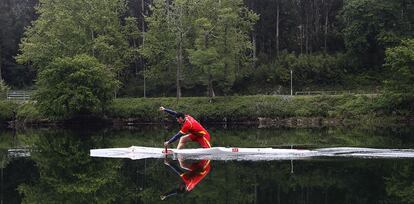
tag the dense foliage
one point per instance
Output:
(370, 26)
(7, 110)
(79, 49)
(69, 28)
(15, 16)
(71, 86)
(400, 63)
(202, 44)
(353, 34)
(3, 89)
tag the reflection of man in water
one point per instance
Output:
(193, 174)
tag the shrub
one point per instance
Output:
(3, 89)
(71, 86)
(7, 110)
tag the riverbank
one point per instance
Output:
(263, 110)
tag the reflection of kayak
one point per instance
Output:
(234, 153)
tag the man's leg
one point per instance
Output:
(183, 140)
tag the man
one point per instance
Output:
(190, 131)
(193, 174)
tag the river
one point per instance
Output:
(53, 165)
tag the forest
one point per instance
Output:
(93, 51)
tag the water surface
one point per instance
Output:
(60, 170)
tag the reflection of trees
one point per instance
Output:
(400, 184)
(251, 137)
(68, 174)
(354, 181)
(16, 172)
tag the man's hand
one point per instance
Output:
(166, 144)
(166, 161)
(163, 197)
(162, 108)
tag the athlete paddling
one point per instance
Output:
(191, 130)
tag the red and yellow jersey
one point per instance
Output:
(197, 172)
(191, 126)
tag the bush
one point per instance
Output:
(74, 86)
(3, 89)
(399, 62)
(7, 110)
(28, 112)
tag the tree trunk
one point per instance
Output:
(179, 65)
(254, 42)
(1, 63)
(301, 36)
(211, 93)
(326, 31)
(143, 42)
(93, 38)
(277, 26)
(307, 35)
(134, 44)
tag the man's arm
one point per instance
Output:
(174, 138)
(169, 111)
(174, 167)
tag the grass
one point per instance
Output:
(351, 107)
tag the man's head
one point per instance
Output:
(180, 117)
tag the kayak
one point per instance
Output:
(235, 153)
(216, 153)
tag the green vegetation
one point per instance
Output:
(236, 47)
(28, 113)
(399, 62)
(72, 86)
(7, 110)
(370, 110)
(249, 108)
(224, 48)
(79, 49)
(3, 89)
(69, 28)
(203, 41)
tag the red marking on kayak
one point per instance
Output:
(167, 152)
(235, 149)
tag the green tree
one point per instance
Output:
(221, 42)
(167, 39)
(370, 26)
(71, 86)
(69, 28)
(15, 15)
(3, 89)
(400, 64)
(205, 41)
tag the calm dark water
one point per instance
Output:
(60, 170)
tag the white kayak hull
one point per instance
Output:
(234, 153)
